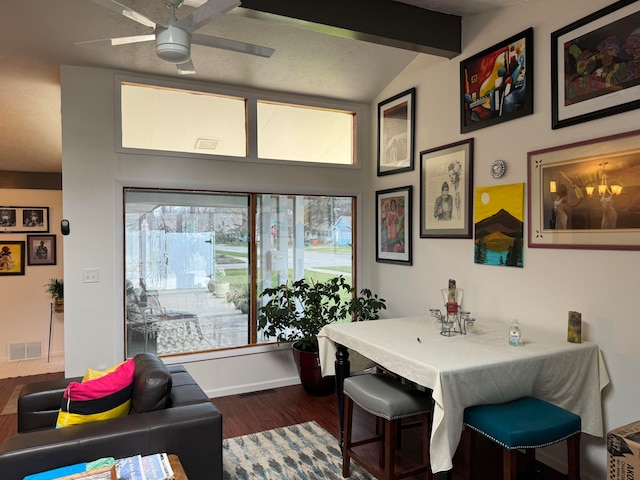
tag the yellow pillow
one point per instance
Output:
(100, 396)
(92, 374)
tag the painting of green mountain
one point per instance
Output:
(499, 225)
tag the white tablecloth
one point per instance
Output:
(478, 368)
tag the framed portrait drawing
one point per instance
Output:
(446, 176)
(496, 85)
(24, 219)
(396, 133)
(12, 257)
(41, 250)
(393, 225)
(585, 195)
(595, 65)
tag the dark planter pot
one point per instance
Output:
(314, 383)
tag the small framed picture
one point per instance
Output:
(24, 219)
(393, 225)
(396, 133)
(594, 65)
(41, 249)
(12, 257)
(446, 175)
(496, 85)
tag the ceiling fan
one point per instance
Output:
(174, 39)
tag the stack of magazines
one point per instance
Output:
(148, 467)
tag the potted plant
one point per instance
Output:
(239, 296)
(221, 283)
(296, 312)
(55, 288)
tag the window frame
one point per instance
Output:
(252, 97)
(250, 348)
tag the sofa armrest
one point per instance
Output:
(39, 403)
(193, 433)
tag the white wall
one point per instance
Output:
(26, 313)
(93, 177)
(603, 285)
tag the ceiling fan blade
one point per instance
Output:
(186, 68)
(126, 11)
(233, 45)
(117, 41)
(205, 14)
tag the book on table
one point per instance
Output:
(147, 467)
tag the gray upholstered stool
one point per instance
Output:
(386, 398)
(526, 423)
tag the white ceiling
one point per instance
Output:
(37, 36)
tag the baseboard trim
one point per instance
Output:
(252, 387)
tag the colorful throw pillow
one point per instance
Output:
(100, 396)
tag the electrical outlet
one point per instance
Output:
(90, 275)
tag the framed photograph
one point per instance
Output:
(12, 258)
(496, 85)
(24, 219)
(586, 195)
(595, 65)
(393, 225)
(41, 249)
(396, 133)
(446, 177)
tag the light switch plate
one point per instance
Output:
(90, 275)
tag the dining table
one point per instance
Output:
(479, 367)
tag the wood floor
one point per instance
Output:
(249, 413)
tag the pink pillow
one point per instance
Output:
(98, 397)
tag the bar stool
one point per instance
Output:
(526, 423)
(386, 398)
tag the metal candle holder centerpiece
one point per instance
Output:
(455, 321)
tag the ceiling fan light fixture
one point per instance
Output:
(173, 44)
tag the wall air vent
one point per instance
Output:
(207, 144)
(24, 351)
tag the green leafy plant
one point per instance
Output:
(55, 288)
(296, 312)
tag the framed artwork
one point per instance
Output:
(586, 194)
(446, 176)
(12, 258)
(393, 225)
(396, 133)
(595, 65)
(496, 85)
(41, 250)
(24, 219)
(499, 225)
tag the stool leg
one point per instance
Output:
(391, 433)
(573, 453)
(509, 464)
(348, 427)
(469, 440)
(530, 461)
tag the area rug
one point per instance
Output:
(304, 451)
(11, 406)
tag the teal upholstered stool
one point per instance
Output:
(526, 424)
(386, 398)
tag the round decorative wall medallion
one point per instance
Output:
(498, 167)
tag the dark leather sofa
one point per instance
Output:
(169, 413)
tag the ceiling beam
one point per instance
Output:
(386, 22)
